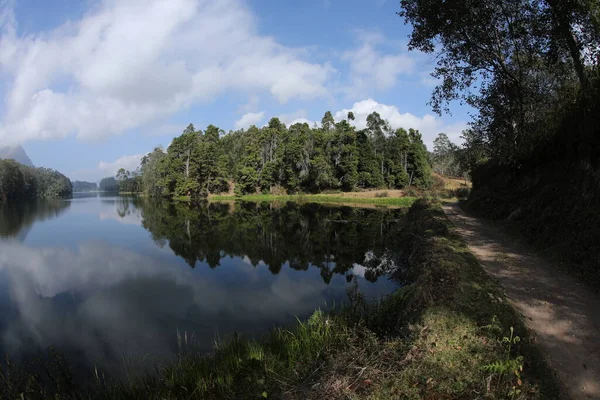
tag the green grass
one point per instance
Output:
(448, 333)
(320, 198)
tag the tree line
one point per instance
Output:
(19, 182)
(275, 158)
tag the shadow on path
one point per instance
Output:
(561, 313)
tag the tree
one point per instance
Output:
(419, 169)
(155, 173)
(443, 153)
(109, 184)
(346, 160)
(327, 122)
(399, 147)
(182, 164)
(369, 174)
(515, 61)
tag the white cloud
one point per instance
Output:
(165, 129)
(131, 217)
(370, 69)
(299, 116)
(128, 63)
(251, 105)
(249, 119)
(428, 125)
(130, 163)
(109, 285)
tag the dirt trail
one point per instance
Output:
(561, 313)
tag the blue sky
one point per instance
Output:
(90, 86)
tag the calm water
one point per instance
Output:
(110, 281)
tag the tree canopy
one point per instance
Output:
(20, 182)
(520, 63)
(333, 156)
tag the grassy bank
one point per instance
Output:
(323, 198)
(448, 333)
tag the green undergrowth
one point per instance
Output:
(318, 198)
(447, 333)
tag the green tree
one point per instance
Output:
(399, 146)
(327, 122)
(419, 170)
(182, 166)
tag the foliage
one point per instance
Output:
(299, 159)
(129, 182)
(19, 182)
(109, 184)
(447, 158)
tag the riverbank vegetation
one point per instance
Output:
(449, 332)
(277, 159)
(19, 182)
(379, 198)
(531, 71)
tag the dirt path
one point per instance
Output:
(562, 314)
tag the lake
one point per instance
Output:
(118, 283)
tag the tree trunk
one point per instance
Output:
(562, 20)
(187, 166)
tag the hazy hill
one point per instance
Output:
(82, 186)
(16, 153)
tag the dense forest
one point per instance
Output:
(82, 186)
(19, 182)
(277, 159)
(531, 70)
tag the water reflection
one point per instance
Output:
(15, 219)
(334, 239)
(93, 283)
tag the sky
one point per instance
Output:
(89, 86)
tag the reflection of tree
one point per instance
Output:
(333, 239)
(123, 207)
(15, 218)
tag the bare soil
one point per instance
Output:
(562, 314)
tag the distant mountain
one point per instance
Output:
(16, 153)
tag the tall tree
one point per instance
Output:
(327, 122)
